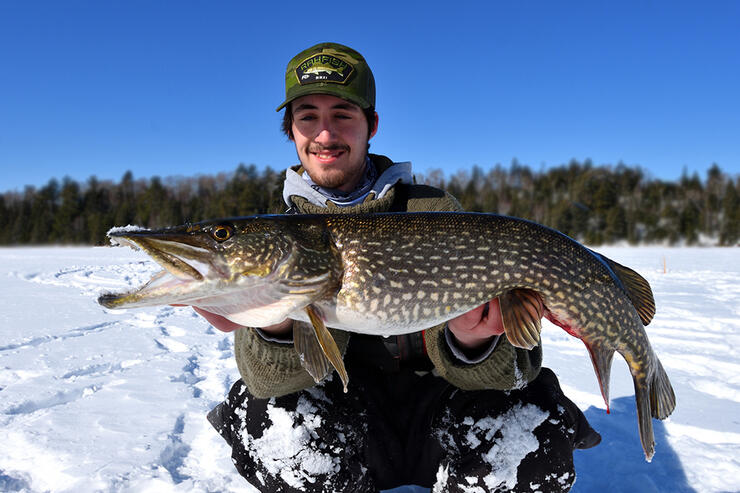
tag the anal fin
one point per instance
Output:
(329, 349)
(521, 313)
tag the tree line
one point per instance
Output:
(594, 204)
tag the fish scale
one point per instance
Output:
(395, 273)
(482, 265)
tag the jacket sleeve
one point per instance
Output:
(505, 368)
(272, 369)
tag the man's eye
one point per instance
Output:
(306, 118)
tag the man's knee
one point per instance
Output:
(299, 442)
(510, 440)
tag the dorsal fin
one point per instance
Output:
(638, 290)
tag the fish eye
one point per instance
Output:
(222, 232)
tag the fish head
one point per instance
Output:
(203, 259)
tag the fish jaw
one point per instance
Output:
(258, 274)
(192, 268)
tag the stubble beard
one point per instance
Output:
(330, 177)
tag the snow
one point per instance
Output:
(115, 400)
(282, 445)
(515, 440)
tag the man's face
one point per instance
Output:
(331, 136)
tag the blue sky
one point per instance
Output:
(180, 88)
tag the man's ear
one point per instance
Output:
(375, 126)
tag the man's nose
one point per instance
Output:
(325, 135)
(326, 131)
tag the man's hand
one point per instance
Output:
(225, 325)
(221, 323)
(478, 326)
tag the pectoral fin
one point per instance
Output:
(308, 349)
(521, 312)
(321, 351)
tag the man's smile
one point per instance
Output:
(328, 155)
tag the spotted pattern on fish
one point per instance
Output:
(395, 273)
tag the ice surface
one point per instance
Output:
(111, 400)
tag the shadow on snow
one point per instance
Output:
(618, 463)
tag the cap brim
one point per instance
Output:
(323, 88)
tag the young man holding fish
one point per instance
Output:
(455, 405)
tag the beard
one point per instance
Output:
(336, 178)
(333, 175)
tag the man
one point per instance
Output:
(455, 406)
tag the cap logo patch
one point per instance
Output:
(323, 68)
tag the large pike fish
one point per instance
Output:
(395, 273)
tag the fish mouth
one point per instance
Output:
(185, 259)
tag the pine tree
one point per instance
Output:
(68, 224)
(730, 229)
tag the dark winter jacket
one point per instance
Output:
(271, 368)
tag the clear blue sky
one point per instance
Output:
(186, 87)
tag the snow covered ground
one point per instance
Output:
(100, 400)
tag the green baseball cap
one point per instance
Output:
(330, 68)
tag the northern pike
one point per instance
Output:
(396, 273)
(327, 69)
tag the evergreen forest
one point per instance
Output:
(594, 204)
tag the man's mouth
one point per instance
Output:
(328, 155)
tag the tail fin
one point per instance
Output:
(644, 418)
(655, 399)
